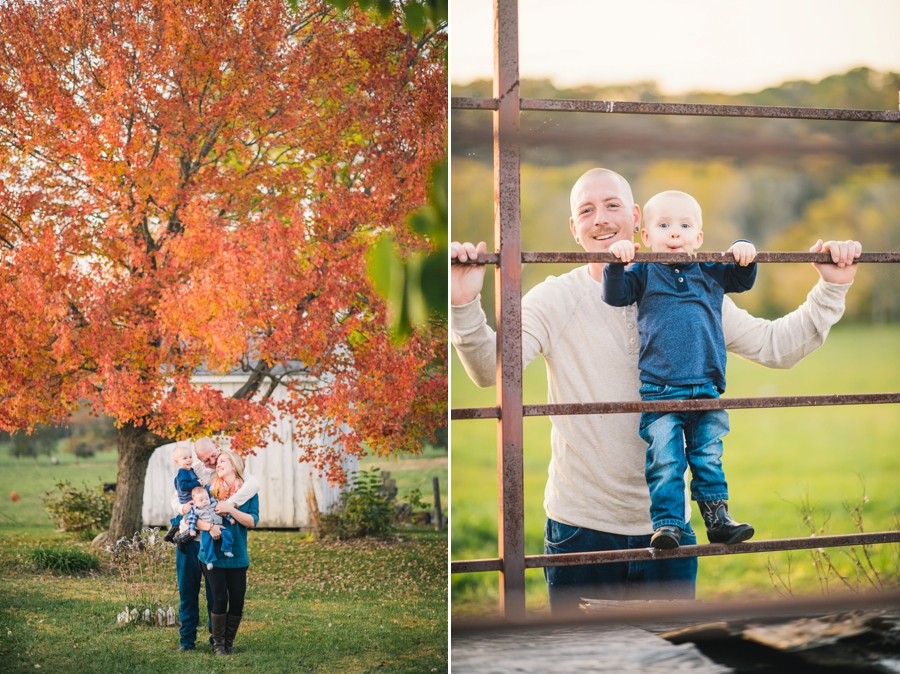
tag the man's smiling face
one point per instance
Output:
(603, 211)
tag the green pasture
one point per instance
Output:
(774, 459)
(312, 606)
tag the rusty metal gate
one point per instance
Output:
(506, 106)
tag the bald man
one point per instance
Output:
(187, 556)
(596, 497)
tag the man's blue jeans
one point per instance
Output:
(662, 579)
(677, 440)
(187, 568)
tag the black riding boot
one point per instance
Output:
(720, 528)
(218, 632)
(231, 628)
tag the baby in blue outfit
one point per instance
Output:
(205, 508)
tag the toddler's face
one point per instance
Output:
(201, 500)
(184, 461)
(673, 225)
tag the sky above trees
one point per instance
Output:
(685, 45)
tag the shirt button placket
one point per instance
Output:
(630, 321)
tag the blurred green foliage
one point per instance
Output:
(415, 284)
(418, 14)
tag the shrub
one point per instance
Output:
(363, 510)
(62, 560)
(83, 512)
(414, 498)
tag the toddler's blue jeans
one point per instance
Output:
(676, 440)
(208, 545)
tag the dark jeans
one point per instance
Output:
(228, 589)
(187, 568)
(663, 579)
(676, 440)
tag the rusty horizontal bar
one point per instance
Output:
(633, 407)
(700, 110)
(702, 257)
(685, 109)
(466, 413)
(474, 103)
(476, 565)
(712, 550)
(583, 258)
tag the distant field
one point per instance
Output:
(773, 459)
(31, 479)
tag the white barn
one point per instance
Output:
(285, 482)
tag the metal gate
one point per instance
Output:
(506, 106)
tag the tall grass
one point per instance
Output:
(62, 560)
(773, 459)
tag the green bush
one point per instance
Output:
(84, 512)
(364, 510)
(414, 498)
(62, 560)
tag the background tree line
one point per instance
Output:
(779, 183)
(83, 436)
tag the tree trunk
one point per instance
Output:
(136, 445)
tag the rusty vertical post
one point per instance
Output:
(508, 289)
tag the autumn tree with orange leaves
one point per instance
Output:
(196, 184)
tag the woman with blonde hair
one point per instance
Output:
(228, 576)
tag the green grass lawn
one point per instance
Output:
(312, 606)
(773, 459)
